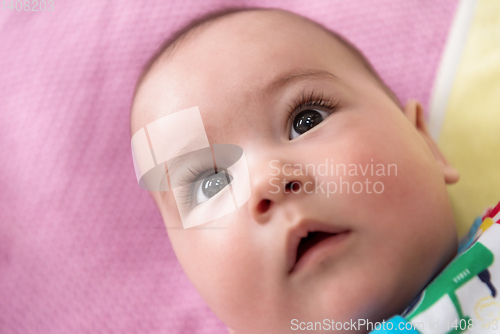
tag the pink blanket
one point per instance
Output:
(82, 247)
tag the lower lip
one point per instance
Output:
(321, 250)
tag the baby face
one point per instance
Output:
(291, 95)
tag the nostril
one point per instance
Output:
(293, 186)
(263, 206)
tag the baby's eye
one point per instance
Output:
(306, 120)
(210, 186)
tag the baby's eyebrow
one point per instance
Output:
(294, 75)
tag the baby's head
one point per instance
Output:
(294, 95)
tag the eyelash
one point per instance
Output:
(309, 99)
(196, 171)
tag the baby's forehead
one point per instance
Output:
(247, 24)
(232, 57)
(249, 32)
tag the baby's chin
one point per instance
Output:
(367, 291)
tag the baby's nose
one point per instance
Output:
(271, 185)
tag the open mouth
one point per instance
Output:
(314, 245)
(312, 239)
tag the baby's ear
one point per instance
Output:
(415, 113)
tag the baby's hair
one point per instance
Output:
(197, 25)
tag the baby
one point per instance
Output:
(292, 95)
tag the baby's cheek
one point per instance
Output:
(221, 264)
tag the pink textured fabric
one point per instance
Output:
(82, 247)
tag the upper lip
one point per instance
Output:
(301, 230)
